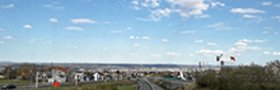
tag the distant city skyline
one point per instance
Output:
(139, 31)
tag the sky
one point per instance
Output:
(139, 31)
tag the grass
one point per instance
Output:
(14, 81)
(131, 87)
(112, 85)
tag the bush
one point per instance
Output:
(252, 77)
(209, 80)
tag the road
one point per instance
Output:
(147, 85)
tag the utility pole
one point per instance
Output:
(36, 79)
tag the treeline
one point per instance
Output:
(23, 71)
(251, 77)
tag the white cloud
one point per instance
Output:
(131, 37)
(216, 4)
(128, 28)
(156, 15)
(268, 30)
(211, 44)
(53, 20)
(146, 37)
(266, 3)
(164, 40)
(172, 54)
(266, 52)
(241, 46)
(136, 4)
(54, 6)
(73, 28)
(145, 3)
(210, 52)
(202, 16)
(277, 18)
(185, 8)
(274, 53)
(248, 16)
(188, 32)
(251, 41)
(246, 11)
(11, 5)
(139, 37)
(271, 4)
(83, 21)
(198, 41)
(245, 45)
(7, 37)
(156, 55)
(136, 45)
(27, 26)
(219, 26)
(150, 3)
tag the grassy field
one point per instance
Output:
(131, 87)
(112, 85)
(14, 81)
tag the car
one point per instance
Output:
(9, 87)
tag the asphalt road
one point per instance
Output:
(147, 85)
(144, 85)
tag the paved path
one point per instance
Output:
(147, 85)
(144, 85)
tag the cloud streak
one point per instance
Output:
(246, 11)
(83, 21)
(7, 6)
(27, 26)
(73, 28)
(53, 20)
(219, 26)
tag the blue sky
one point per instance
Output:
(139, 31)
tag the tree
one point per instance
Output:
(27, 71)
(9, 72)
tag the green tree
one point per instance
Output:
(9, 72)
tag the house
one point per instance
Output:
(54, 74)
(96, 76)
(57, 75)
(2, 75)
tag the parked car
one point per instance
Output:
(9, 87)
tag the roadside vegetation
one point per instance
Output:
(251, 77)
